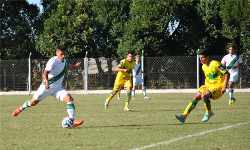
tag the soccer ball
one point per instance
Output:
(67, 122)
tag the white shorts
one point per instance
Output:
(42, 92)
(137, 81)
(234, 77)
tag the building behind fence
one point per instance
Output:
(160, 73)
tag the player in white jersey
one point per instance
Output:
(52, 84)
(138, 80)
(232, 62)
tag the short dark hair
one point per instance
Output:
(203, 51)
(231, 45)
(130, 52)
(60, 47)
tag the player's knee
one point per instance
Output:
(198, 96)
(34, 102)
(68, 98)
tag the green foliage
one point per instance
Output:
(146, 27)
(111, 27)
(68, 25)
(235, 16)
(18, 28)
(109, 19)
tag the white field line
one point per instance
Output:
(190, 136)
(123, 91)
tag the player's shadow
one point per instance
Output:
(125, 126)
(158, 110)
(155, 125)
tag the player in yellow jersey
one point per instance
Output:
(216, 80)
(123, 80)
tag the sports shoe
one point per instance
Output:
(77, 123)
(181, 118)
(231, 101)
(146, 98)
(207, 116)
(126, 109)
(16, 112)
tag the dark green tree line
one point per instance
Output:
(111, 27)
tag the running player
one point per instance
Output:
(216, 80)
(232, 62)
(123, 80)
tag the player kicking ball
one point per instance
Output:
(52, 84)
(123, 80)
(216, 80)
(232, 62)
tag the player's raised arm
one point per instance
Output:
(117, 69)
(74, 66)
(120, 67)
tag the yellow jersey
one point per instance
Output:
(125, 64)
(214, 73)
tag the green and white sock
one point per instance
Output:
(25, 105)
(71, 109)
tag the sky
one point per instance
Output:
(37, 2)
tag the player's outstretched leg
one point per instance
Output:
(70, 107)
(182, 117)
(23, 107)
(112, 94)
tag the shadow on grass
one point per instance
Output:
(155, 125)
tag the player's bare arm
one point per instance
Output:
(74, 66)
(117, 69)
(45, 79)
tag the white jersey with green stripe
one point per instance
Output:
(57, 70)
(231, 62)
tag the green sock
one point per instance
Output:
(190, 107)
(26, 105)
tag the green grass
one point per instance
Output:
(152, 122)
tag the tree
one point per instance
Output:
(109, 19)
(18, 28)
(235, 16)
(68, 25)
(147, 28)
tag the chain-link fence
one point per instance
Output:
(160, 73)
(13, 74)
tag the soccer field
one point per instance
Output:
(151, 123)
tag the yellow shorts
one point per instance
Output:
(122, 83)
(214, 90)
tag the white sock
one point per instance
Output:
(144, 92)
(231, 93)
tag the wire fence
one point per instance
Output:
(171, 72)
